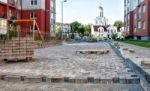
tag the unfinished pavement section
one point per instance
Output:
(134, 60)
(63, 62)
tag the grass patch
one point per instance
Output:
(138, 43)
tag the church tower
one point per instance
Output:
(100, 11)
(100, 18)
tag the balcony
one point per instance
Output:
(12, 2)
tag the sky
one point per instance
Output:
(85, 11)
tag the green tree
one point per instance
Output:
(81, 30)
(87, 30)
(119, 24)
(114, 36)
(75, 26)
(58, 32)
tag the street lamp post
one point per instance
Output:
(62, 15)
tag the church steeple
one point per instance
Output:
(100, 11)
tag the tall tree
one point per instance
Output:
(87, 29)
(81, 30)
(119, 24)
(75, 26)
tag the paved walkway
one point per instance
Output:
(141, 53)
(62, 61)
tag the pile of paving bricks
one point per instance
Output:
(145, 64)
(101, 51)
(17, 49)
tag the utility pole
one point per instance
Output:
(62, 16)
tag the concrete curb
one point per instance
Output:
(38, 79)
(132, 65)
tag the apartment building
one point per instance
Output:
(53, 17)
(137, 19)
(3, 9)
(66, 29)
(43, 11)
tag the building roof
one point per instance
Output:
(95, 27)
(100, 7)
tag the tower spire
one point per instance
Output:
(100, 9)
(100, 2)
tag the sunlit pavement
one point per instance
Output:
(62, 61)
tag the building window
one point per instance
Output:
(33, 15)
(134, 29)
(18, 15)
(144, 25)
(33, 27)
(144, 8)
(33, 2)
(10, 13)
(128, 17)
(139, 13)
(139, 24)
(128, 29)
(135, 16)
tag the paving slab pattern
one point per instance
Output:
(62, 61)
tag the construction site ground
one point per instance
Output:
(63, 61)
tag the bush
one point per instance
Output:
(11, 33)
(114, 36)
(37, 36)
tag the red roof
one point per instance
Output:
(97, 26)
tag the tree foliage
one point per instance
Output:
(75, 26)
(114, 36)
(58, 31)
(119, 24)
(87, 30)
(83, 30)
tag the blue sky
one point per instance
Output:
(85, 11)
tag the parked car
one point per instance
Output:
(85, 38)
(77, 38)
(92, 39)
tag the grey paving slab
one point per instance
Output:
(62, 61)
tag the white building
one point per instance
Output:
(98, 29)
(113, 30)
(100, 19)
(66, 29)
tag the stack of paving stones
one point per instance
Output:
(98, 51)
(17, 49)
(145, 64)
